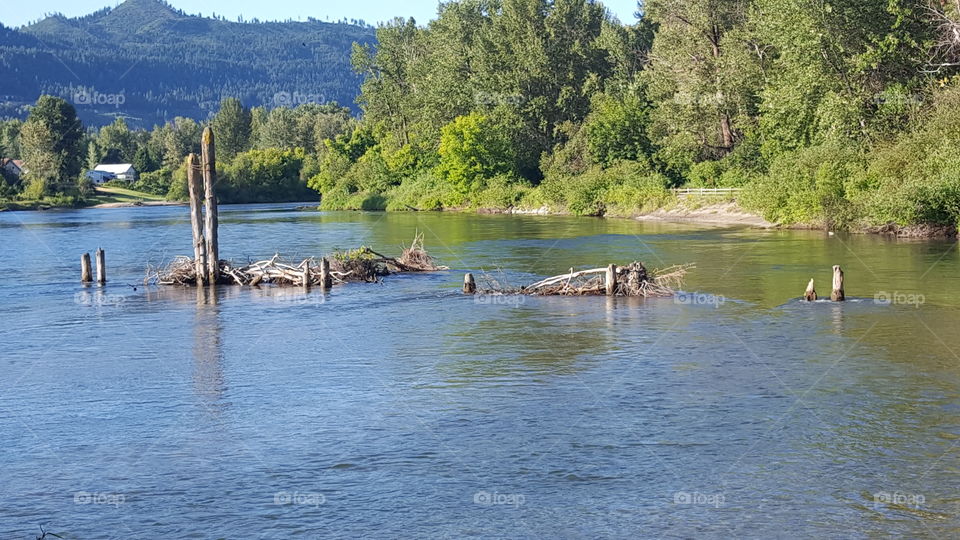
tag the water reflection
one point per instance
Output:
(208, 378)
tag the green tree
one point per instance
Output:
(472, 150)
(703, 76)
(232, 125)
(834, 66)
(51, 145)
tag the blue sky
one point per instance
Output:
(371, 11)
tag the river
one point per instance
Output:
(406, 409)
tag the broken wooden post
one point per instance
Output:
(208, 152)
(101, 267)
(195, 187)
(326, 280)
(306, 274)
(810, 294)
(469, 284)
(837, 294)
(611, 280)
(86, 276)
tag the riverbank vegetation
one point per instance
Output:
(840, 115)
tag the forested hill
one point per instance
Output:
(148, 62)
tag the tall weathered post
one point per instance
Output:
(837, 294)
(101, 267)
(195, 187)
(86, 276)
(209, 183)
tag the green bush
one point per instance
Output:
(625, 188)
(807, 186)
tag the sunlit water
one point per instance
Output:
(406, 409)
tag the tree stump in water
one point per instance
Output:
(326, 280)
(469, 284)
(86, 275)
(837, 294)
(611, 280)
(810, 294)
(101, 267)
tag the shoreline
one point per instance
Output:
(717, 214)
(135, 204)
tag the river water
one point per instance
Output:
(406, 409)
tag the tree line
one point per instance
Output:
(264, 155)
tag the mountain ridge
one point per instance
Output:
(161, 63)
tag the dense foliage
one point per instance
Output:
(836, 114)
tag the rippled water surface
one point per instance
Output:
(405, 409)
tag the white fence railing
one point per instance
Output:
(726, 192)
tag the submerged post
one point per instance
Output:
(326, 281)
(208, 152)
(195, 187)
(86, 276)
(101, 267)
(810, 294)
(611, 280)
(837, 294)
(469, 284)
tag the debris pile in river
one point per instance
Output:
(358, 265)
(613, 280)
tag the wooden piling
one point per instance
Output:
(837, 294)
(208, 152)
(611, 280)
(101, 267)
(810, 294)
(469, 284)
(195, 187)
(326, 280)
(306, 274)
(86, 276)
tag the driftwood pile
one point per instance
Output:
(359, 265)
(630, 280)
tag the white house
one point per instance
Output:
(120, 171)
(14, 167)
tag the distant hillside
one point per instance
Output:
(148, 62)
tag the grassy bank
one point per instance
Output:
(101, 195)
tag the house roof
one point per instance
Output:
(118, 168)
(17, 162)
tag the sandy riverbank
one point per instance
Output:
(727, 213)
